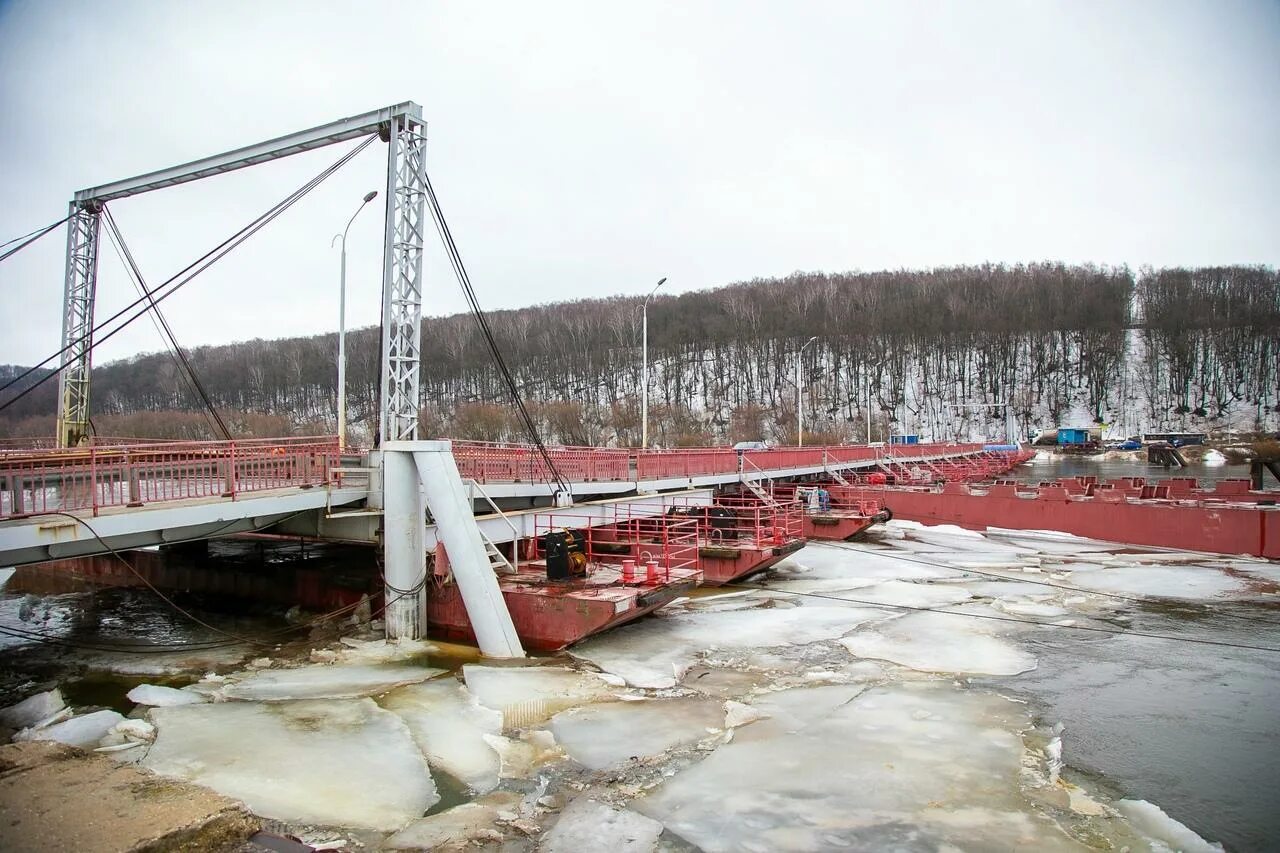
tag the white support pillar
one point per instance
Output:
(451, 507)
(404, 551)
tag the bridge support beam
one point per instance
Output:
(77, 323)
(420, 476)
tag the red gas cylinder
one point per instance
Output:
(876, 479)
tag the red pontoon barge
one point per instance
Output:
(739, 536)
(576, 580)
(831, 512)
(1231, 519)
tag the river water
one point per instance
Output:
(1052, 467)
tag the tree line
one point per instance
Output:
(948, 352)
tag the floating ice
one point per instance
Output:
(135, 730)
(1026, 607)
(737, 714)
(906, 594)
(154, 694)
(449, 727)
(84, 731)
(656, 652)
(32, 710)
(941, 642)
(1150, 820)
(382, 651)
(587, 826)
(919, 766)
(528, 695)
(1186, 582)
(457, 826)
(603, 736)
(335, 762)
(336, 681)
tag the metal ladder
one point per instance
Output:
(753, 487)
(497, 559)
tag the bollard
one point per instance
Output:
(628, 571)
(651, 571)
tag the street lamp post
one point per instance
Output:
(342, 323)
(799, 394)
(644, 357)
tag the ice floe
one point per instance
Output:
(159, 696)
(83, 731)
(527, 695)
(457, 826)
(32, 710)
(656, 653)
(325, 681)
(1184, 582)
(916, 767)
(335, 762)
(603, 736)
(1150, 820)
(588, 826)
(941, 642)
(449, 726)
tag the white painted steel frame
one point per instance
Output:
(402, 279)
(406, 177)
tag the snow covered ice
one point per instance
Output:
(157, 695)
(83, 731)
(339, 762)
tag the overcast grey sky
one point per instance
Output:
(588, 149)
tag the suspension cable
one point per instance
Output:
(113, 231)
(482, 322)
(190, 272)
(30, 238)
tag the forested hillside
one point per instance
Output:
(956, 352)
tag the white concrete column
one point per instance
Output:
(404, 534)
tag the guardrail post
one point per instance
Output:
(93, 479)
(135, 488)
(17, 502)
(229, 473)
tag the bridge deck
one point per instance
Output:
(134, 495)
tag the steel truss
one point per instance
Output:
(402, 279)
(403, 128)
(77, 323)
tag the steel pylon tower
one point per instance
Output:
(402, 277)
(403, 128)
(77, 323)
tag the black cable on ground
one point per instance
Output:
(201, 391)
(190, 271)
(482, 322)
(30, 238)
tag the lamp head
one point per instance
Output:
(370, 196)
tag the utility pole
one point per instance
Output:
(800, 395)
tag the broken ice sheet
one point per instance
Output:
(474, 821)
(655, 653)
(603, 736)
(83, 731)
(528, 695)
(324, 681)
(333, 762)
(588, 826)
(1192, 583)
(915, 766)
(449, 726)
(941, 642)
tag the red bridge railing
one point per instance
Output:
(34, 481)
